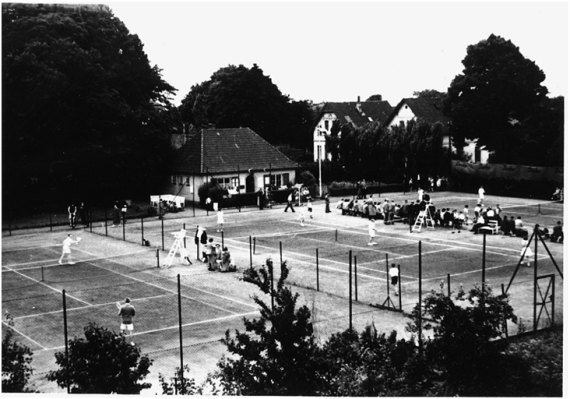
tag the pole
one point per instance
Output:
(320, 178)
(157, 258)
(193, 195)
(42, 273)
(448, 284)
(162, 230)
(399, 288)
(184, 228)
(387, 277)
(350, 290)
(254, 241)
(355, 281)
(66, 344)
(336, 235)
(280, 253)
(317, 258)
(222, 239)
(420, 344)
(182, 385)
(207, 192)
(239, 191)
(272, 291)
(250, 254)
(535, 324)
(483, 271)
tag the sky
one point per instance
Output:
(337, 51)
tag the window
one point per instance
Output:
(276, 180)
(173, 179)
(181, 180)
(326, 125)
(188, 181)
(226, 182)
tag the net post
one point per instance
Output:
(254, 245)
(317, 258)
(483, 272)
(448, 285)
(66, 344)
(350, 290)
(336, 235)
(535, 321)
(42, 273)
(250, 254)
(157, 258)
(182, 386)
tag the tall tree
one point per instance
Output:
(498, 89)
(237, 96)
(82, 106)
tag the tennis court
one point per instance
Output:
(112, 266)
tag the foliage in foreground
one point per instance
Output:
(103, 362)
(278, 355)
(16, 362)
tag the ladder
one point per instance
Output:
(178, 243)
(424, 216)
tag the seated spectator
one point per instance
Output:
(505, 226)
(448, 218)
(227, 264)
(405, 210)
(459, 220)
(489, 214)
(512, 224)
(477, 211)
(478, 224)
(520, 231)
(557, 233)
(556, 195)
(437, 218)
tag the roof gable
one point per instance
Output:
(228, 150)
(427, 109)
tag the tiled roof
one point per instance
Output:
(430, 110)
(347, 112)
(226, 150)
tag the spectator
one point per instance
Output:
(72, 210)
(127, 312)
(290, 203)
(557, 233)
(478, 224)
(327, 203)
(211, 254)
(526, 252)
(117, 214)
(83, 214)
(505, 226)
(520, 231)
(481, 194)
(227, 264)
(394, 273)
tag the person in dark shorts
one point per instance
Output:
(127, 313)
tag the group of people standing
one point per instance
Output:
(75, 211)
(216, 257)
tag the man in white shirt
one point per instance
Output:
(394, 273)
(66, 251)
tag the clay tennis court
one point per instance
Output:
(319, 254)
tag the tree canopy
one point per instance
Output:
(496, 99)
(82, 106)
(237, 96)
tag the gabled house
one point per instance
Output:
(430, 110)
(234, 158)
(355, 113)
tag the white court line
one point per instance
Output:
(183, 325)
(48, 286)
(77, 260)
(32, 248)
(23, 335)
(185, 285)
(86, 307)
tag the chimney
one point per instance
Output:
(359, 106)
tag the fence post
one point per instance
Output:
(66, 345)
(317, 258)
(355, 281)
(223, 245)
(162, 230)
(399, 288)
(420, 344)
(142, 230)
(182, 385)
(535, 321)
(448, 284)
(42, 273)
(280, 253)
(350, 290)
(250, 254)
(157, 258)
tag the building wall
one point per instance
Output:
(322, 130)
(404, 115)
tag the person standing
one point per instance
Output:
(127, 313)
(290, 203)
(211, 254)
(72, 210)
(201, 239)
(220, 219)
(116, 214)
(481, 194)
(261, 198)
(394, 273)
(526, 252)
(327, 203)
(66, 250)
(83, 214)
(371, 231)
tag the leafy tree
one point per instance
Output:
(498, 90)
(375, 97)
(16, 362)
(429, 94)
(83, 108)
(276, 353)
(103, 362)
(462, 358)
(240, 96)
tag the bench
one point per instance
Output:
(491, 227)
